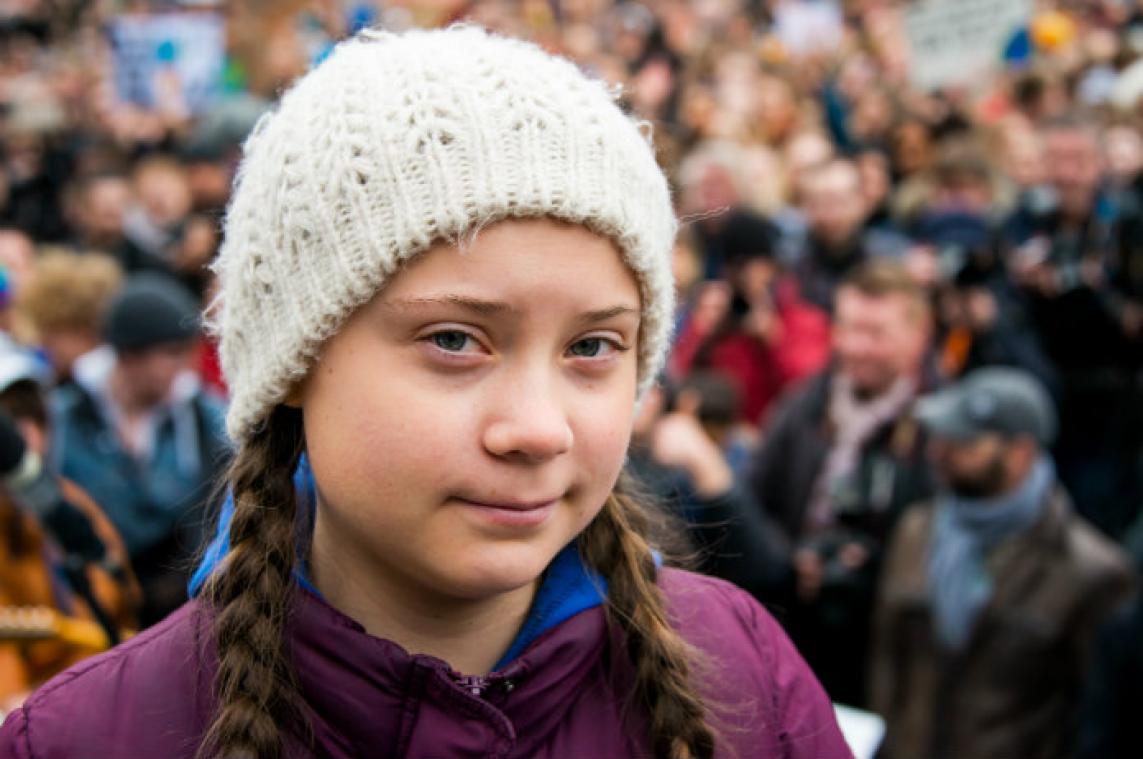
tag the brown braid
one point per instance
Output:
(254, 684)
(616, 546)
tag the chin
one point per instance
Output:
(492, 570)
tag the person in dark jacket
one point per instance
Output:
(991, 593)
(838, 240)
(1073, 272)
(456, 338)
(138, 431)
(840, 460)
(1113, 696)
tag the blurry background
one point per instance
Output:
(879, 197)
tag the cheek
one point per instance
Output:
(602, 438)
(370, 435)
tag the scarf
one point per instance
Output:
(855, 422)
(964, 531)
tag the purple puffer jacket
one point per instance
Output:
(151, 697)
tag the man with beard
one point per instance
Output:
(991, 594)
(841, 459)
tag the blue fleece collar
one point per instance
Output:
(568, 587)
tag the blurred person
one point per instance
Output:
(209, 179)
(1109, 717)
(654, 89)
(840, 459)
(1123, 154)
(739, 346)
(962, 182)
(98, 206)
(876, 187)
(711, 182)
(137, 431)
(65, 302)
(1113, 694)
(805, 150)
(1065, 261)
(911, 148)
(979, 330)
(1039, 96)
(951, 221)
(154, 223)
(33, 172)
(36, 569)
(764, 176)
(17, 257)
(1022, 161)
(836, 213)
(991, 593)
(685, 447)
(777, 108)
(871, 118)
(802, 153)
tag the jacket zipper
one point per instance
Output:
(474, 684)
(478, 686)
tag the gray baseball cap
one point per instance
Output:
(1001, 400)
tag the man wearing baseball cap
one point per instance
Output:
(991, 593)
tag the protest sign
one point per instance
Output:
(958, 42)
(168, 55)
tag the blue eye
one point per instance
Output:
(588, 348)
(452, 341)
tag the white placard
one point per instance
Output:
(149, 50)
(959, 42)
(808, 26)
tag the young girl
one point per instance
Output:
(446, 279)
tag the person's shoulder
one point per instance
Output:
(1095, 558)
(147, 695)
(762, 696)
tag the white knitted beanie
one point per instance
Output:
(396, 142)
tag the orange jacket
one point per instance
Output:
(29, 578)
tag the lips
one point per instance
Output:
(509, 515)
(512, 505)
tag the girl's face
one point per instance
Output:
(471, 419)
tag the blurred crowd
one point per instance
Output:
(904, 406)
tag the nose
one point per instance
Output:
(530, 424)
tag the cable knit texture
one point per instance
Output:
(396, 142)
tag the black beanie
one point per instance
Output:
(151, 309)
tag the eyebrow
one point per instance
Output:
(476, 305)
(494, 307)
